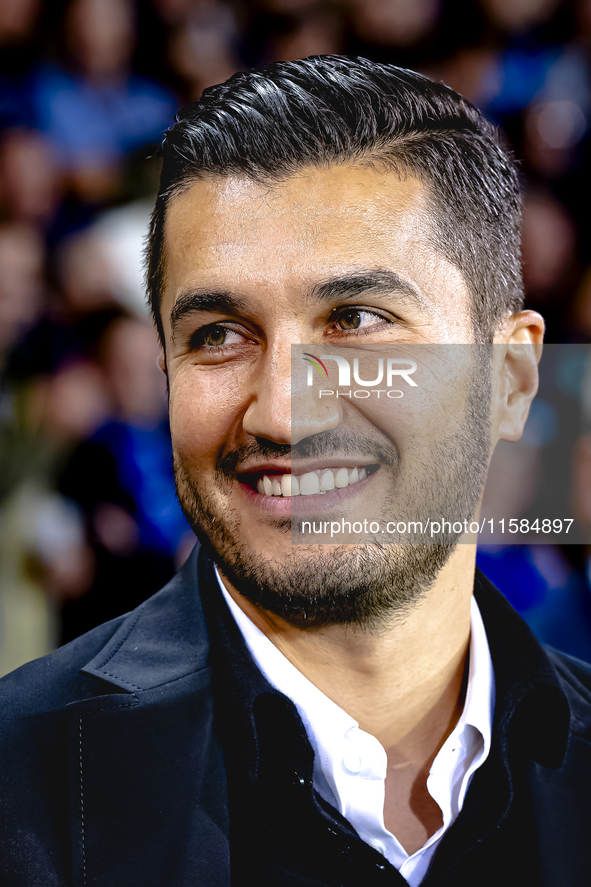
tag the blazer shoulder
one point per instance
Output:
(55, 680)
(162, 639)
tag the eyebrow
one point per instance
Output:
(353, 284)
(341, 287)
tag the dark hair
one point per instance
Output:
(271, 122)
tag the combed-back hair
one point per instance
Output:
(273, 121)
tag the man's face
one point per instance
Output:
(329, 257)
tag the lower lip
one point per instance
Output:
(286, 505)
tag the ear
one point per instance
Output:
(519, 349)
(162, 362)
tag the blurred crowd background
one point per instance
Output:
(89, 524)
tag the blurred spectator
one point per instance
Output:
(202, 48)
(84, 300)
(69, 404)
(552, 132)
(394, 23)
(316, 30)
(30, 183)
(472, 71)
(129, 355)
(21, 282)
(175, 12)
(519, 16)
(17, 20)
(550, 258)
(84, 274)
(19, 50)
(44, 555)
(121, 479)
(93, 108)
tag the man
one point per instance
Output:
(321, 714)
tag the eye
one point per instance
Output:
(351, 319)
(358, 320)
(214, 336)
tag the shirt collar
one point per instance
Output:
(468, 746)
(327, 724)
(320, 713)
(480, 692)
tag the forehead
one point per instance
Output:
(232, 231)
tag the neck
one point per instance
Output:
(403, 683)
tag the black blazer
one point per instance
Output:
(112, 772)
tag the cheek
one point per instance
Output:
(417, 418)
(206, 409)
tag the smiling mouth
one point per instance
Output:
(311, 483)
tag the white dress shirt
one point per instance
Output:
(350, 764)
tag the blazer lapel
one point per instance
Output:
(148, 794)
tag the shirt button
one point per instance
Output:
(377, 845)
(353, 763)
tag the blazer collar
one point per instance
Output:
(164, 639)
(531, 709)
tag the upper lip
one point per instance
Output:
(302, 466)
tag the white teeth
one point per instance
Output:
(309, 484)
(290, 485)
(327, 481)
(341, 478)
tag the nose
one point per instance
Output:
(284, 408)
